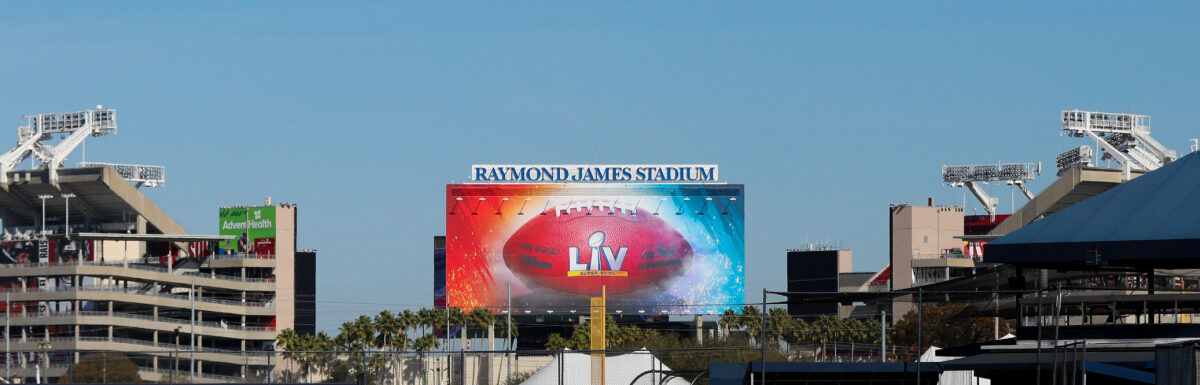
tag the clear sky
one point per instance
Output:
(362, 112)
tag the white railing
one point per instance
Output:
(135, 291)
(136, 266)
(173, 321)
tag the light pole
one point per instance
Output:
(175, 356)
(67, 212)
(45, 347)
(44, 197)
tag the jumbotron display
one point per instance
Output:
(655, 248)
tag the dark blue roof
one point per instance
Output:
(1154, 218)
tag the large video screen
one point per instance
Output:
(653, 249)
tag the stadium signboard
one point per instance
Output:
(611, 173)
(655, 248)
(253, 229)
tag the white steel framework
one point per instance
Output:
(1076, 157)
(34, 138)
(1124, 138)
(37, 138)
(971, 176)
(138, 174)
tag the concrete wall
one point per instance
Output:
(919, 232)
(285, 267)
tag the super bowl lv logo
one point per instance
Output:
(600, 253)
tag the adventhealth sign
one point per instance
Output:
(693, 173)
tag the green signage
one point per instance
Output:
(250, 226)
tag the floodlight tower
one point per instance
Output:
(1121, 137)
(971, 176)
(34, 138)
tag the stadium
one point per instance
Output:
(613, 256)
(90, 264)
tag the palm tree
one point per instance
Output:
(457, 317)
(387, 332)
(751, 320)
(502, 330)
(311, 351)
(778, 323)
(408, 321)
(483, 318)
(389, 337)
(729, 319)
(354, 339)
(428, 319)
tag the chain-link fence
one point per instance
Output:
(639, 367)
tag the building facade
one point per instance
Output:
(90, 264)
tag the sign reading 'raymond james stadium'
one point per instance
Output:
(607, 173)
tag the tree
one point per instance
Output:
(408, 321)
(483, 319)
(502, 330)
(99, 368)
(313, 353)
(616, 336)
(944, 325)
(779, 322)
(388, 334)
(751, 320)
(729, 320)
(429, 319)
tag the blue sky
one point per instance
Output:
(362, 112)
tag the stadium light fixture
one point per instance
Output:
(67, 212)
(139, 175)
(1076, 157)
(34, 138)
(971, 176)
(44, 197)
(1121, 137)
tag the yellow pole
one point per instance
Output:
(597, 336)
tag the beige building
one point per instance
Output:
(925, 247)
(89, 264)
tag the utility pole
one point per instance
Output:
(449, 358)
(919, 310)
(763, 328)
(883, 336)
(508, 332)
(7, 339)
(174, 357)
(192, 355)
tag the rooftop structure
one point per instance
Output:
(89, 263)
(973, 176)
(1124, 138)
